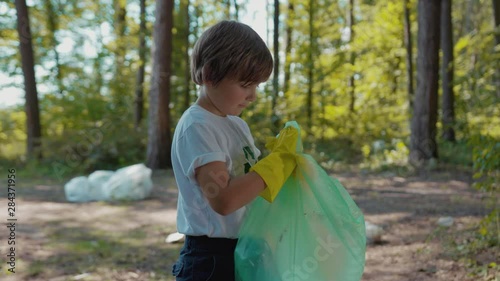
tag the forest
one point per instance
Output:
(407, 88)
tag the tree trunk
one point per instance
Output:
(159, 142)
(120, 16)
(236, 10)
(267, 22)
(33, 127)
(98, 64)
(120, 12)
(423, 145)
(448, 113)
(288, 48)
(496, 15)
(468, 17)
(310, 62)
(53, 27)
(409, 55)
(187, 72)
(139, 92)
(395, 76)
(351, 86)
(322, 120)
(228, 9)
(274, 117)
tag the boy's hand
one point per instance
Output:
(279, 164)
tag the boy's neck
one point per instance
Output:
(206, 103)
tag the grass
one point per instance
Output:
(472, 246)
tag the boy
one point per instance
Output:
(213, 153)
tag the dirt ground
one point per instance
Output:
(57, 240)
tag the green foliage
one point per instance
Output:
(486, 164)
(386, 157)
(489, 229)
(457, 153)
(486, 159)
(12, 133)
(475, 65)
(95, 148)
(476, 247)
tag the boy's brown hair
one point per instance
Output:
(232, 50)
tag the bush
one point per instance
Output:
(486, 165)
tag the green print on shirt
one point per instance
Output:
(249, 157)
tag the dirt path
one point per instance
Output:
(56, 240)
(408, 210)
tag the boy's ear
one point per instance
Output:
(207, 84)
(205, 74)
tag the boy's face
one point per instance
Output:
(231, 97)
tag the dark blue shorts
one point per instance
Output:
(203, 259)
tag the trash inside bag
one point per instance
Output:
(312, 231)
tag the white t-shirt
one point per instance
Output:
(202, 137)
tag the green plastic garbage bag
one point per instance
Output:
(313, 231)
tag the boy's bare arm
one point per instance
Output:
(224, 194)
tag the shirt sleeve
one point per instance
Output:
(198, 146)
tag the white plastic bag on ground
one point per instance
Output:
(129, 183)
(97, 182)
(77, 190)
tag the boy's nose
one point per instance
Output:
(252, 96)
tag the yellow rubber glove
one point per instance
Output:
(279, 164)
